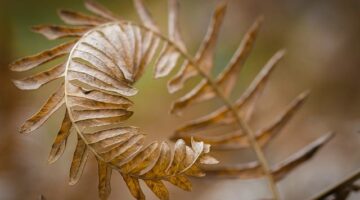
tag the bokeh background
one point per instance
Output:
(322, 41)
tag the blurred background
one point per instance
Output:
(323, 54)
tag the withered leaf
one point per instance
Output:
(205, 55)
(59, 144)
(142, 160)
(162, 163)
(253, 170)
(36, 81)
(77, 18)
(149, 47)
(169, 54)
(208, 160)
(31, 62)
(110, 137)
(118, 153)
(134, 187)
(236, 139)
(181, 181)
(53, 32)
(245, 104)
(104, 172)
(55, 101)
(166, 61)
(100, 10)
(158, 188)
(145, 15)
(266, 134)
(80, 115)
(282, 169)
(98, 82)
(80, 157)
(174, 24)
(98, 96)
(179, 156)
(226, 79)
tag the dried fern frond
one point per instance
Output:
(101, 68)
(104, 61)
(238, 113)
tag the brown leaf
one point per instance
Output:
(158, 188)
(208, 160)
(162, 163)
(36, 81)
(59, 144)
(200, 93)
(166, 61)
(100, 122)
(174, 24)
(101, 140)
(226, 79)
(266, 134)
(31, 62)
(92, 56)
(236, 139)
(150, 45)
(134, 187)
(100, 10)
(77, 18)
(282, 169)
(179, 156)
(55, 101)
(145, 15)
(253, 169)
(92, 77)
(142, 160)
(81, 115)
(98, 96)
(80, 157)
(96, 82)
(80, 103)
(181, 181)
(245, 104)
(192, 155)
(53, 32)
(104, 172)
(118, 153)
(205, 55)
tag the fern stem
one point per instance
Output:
(243, 126)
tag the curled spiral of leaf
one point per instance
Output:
(102, 65)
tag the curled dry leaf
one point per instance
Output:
(101, 69)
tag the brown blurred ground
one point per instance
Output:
(322, 41)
